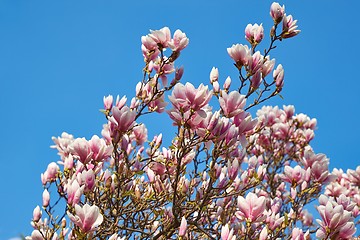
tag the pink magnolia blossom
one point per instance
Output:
(232, 103)
(87, 177)
(256, 80)
(158, 168)
(274, 220)
(226, 233)
(240, 54)
(140, 134)
(179, 41)
(108, 102)
(158, 105)
(100, 151)
(81, 150)
(148, 43)
(336, 222)
(218, 126)
(186, 97)
(87, 217)
(298, 234)
(267, 66)
(62, 144)
(121, 120)
(307, 217)
(255, 62)
(354, 175)
(69, 162)
(50, 174)
(36, 235)
(162, 37)
(346, 202)
(277, 12)
(161, 68)
(244, 122)
(295, 175)
(320, 171)
(289, 27)
(254, 33)
(251, 208)
(233, 168)
(74, 192)
(335, 189)
(279, 77)
(232, 137)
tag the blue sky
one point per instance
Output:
(59, 58)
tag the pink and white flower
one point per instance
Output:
(254, 33)
(232, 103)
(161, 37)
(50, 174)
(186, 97)
(226, 233)
(179, 41)
(87, 217)
(279, 77)
(277, 12)
(240, 54)
(336, 222)
(251, 208)
(289, 27)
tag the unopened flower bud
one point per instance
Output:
(272, 31)
(214, 75)
(158, 140)
(108, 182)
(216, 87)
(154, 226)
(293, 193)
(277, 12)
(151, 175)
(304, 185)
(63, 223)
(137, 192)
(46, 198)
(37, 214)
(178, 73)
(183, 227)
(227, 84)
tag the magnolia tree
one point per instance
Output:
(225, 174)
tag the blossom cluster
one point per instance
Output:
(225, 174)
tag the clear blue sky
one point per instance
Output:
(59, 58)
